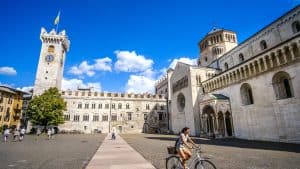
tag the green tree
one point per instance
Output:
(47, 109)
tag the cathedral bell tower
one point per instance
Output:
(51, 62)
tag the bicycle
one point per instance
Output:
(198, 162)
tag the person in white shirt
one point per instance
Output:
(22, 133)
(49, 132)
(6, 133)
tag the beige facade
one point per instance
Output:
(251, 91)
(89, 111)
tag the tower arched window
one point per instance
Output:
(246, 94)
(241, 57)
(263, 45)
(205, 59)
(51, 49)
(282, 85)
(296, 26)
(226, 66)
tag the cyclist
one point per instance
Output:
(183, 147)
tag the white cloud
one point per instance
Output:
(83, 68)
(132, 62)
(8, 71)
(73, 84)
(26, 88)
(140, 84)
(183, 60)
(102, 64)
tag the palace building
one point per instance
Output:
(248, 90)
(89, 111)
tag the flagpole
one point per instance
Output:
(56, 27)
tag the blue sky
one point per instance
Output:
(121, 45)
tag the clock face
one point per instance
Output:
(49, 58)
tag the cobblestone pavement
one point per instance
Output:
(63, 152)
(224, 153)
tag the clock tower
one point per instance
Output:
(51, 62)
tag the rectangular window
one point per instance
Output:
(100, 106)
(162, 107)
(93, 106)
(113, 106)
(79, 105)
(119, 106)
(114, 117)
(76, 118)
(10, 99)
(129, 116)
(96, 118)
(85, 117)
(145, 116)
(67, 117)
(147, 107)
(104, 117)
(127, 106)
(160, 116)
(107, 106)
(86, 106)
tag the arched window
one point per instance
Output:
(241, 57)
(226, 66)
(127, 106)
(246, 94)
(282, 85)
(205, 59)
(296, 26)
(51, 49)
(120, 106)
(263, 45)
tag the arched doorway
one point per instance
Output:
(228, 123)
(208, 120)
(221, 128)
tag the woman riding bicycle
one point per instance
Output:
(183, 147)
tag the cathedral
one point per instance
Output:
(248, 90)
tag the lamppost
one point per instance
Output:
(109, 120)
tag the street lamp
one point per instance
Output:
(109, 120)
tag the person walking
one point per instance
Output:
(16, 134)
(49, 132)
(38, 132)
(22, 133)
(6, 134)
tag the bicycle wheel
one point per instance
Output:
(205, 164)
(173, 162)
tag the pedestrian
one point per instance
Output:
(6, 133)
(16, 134)
(38, 132)
(22, 133)
(49, 132)
(113, 135)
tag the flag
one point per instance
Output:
(56, 21)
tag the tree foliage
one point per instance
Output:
(47, 109)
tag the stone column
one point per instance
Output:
(271, 61)
(231, 122)
(225, 127)
(259, 66)
(213, 124)
(249, 69)
(265, 63)
(292, 53)
(277, 58)
(254, 69)
(284, 55)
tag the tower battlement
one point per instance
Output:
(54, 37)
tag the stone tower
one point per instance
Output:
(215, 44)
(51, 62)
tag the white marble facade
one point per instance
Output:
(249, 90)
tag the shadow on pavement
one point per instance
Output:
(234, 142)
